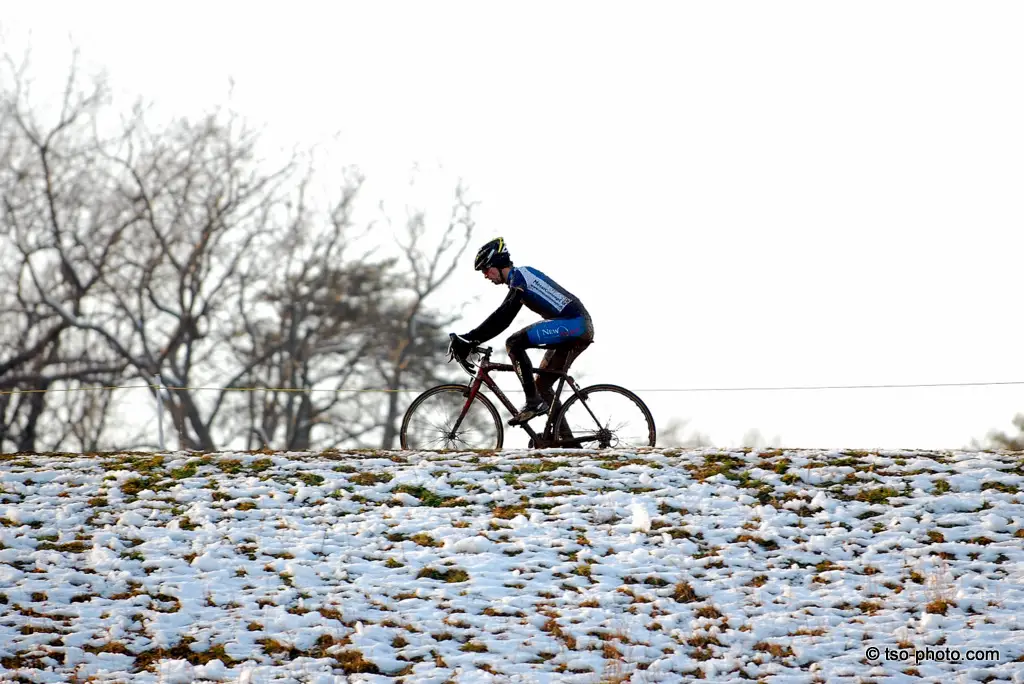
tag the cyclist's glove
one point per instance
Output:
(459, 347)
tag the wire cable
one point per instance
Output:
(790, 388)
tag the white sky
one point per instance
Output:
(760, 194)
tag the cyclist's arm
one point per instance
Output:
(500, 319)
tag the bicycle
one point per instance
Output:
(467, 412)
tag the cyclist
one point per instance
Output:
(565, 332)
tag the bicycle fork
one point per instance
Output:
(474, 389)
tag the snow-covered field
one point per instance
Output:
(519, 566)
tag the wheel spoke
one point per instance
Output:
(621, 421)
(432, 418)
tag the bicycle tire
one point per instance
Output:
(649, 439)
(463, 390)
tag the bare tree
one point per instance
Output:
(299, 324)
(206, 204)
(131, 237)
(178, 257)
(997, 439)
(334, 325)
(672, 436)
(754, 439)
(41, 293)
(414, 336)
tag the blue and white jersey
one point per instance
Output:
(541, 294)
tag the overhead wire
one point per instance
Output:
(781, 388)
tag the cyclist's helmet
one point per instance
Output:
(494, 253)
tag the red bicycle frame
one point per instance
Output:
(482, 377)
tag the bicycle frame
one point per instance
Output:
(482, 377)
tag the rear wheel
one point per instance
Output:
(435, 420)
(610, 417)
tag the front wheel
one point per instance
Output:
(608, 417)
(440, 419)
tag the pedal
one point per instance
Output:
(530, 415)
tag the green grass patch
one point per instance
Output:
(1001, 487)
(717, 464)
(370, 479)
(424, 539)
(451, 575)
(876, 495)
(188, 470)
(426, 497)
(541, 467)
(231, 466)
(261, 464)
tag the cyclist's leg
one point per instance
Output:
(575, 335)
(516, 346)
(545, 334)
(557, 358)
